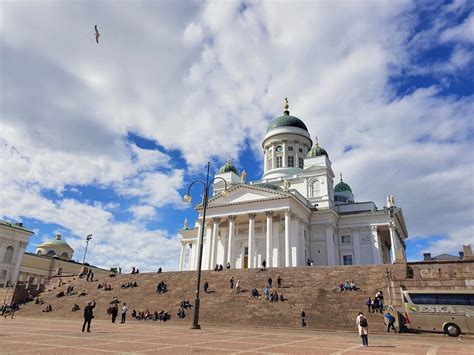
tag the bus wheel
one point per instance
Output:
(452, 330)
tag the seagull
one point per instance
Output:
(97, 34)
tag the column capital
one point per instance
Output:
(232, 218)
(252, 215)
(269, 213)
(373, 228)
(287, 212)
(391, 225)
(216, 219)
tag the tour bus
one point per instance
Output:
(446, 311)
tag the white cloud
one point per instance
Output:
(460, 33)
(143, 212)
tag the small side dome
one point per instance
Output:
(342, 186)
(228, 167)
(317, 151)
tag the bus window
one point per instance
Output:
(471, 299)
(452, 299)
(423, 298)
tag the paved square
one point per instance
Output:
(58, 336)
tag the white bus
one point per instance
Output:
(446, 311)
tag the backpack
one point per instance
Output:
(363, 322)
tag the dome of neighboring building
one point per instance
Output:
(342, 186)
(317, 151)
(228, 167)
(55, 247)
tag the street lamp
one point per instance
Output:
(89, 237)
(187, 198)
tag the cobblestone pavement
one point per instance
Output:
(58, 336)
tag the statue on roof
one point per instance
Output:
(286, 185)
(185, 224)
(243, 176)
(390, 201)
(286, 104)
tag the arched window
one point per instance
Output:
(8, 255)
(316, 188)
(64, 255)
(51, 252)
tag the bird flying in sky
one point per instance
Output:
(97, 34)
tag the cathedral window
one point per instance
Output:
(347, 259)
(300, 150)
(279, 162)
(316, 188)
(291, 161)
(346, 239)
(301, 163)
(290, 149)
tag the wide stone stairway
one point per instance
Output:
(315, 289)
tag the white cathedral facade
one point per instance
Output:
(294, 213)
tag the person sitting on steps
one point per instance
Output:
(75, 308)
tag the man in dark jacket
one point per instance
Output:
(114, 312)
(88, 315)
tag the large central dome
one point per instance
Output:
(287, 121)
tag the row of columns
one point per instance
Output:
(183, 254)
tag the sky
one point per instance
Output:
(105, 138)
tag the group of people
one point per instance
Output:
(375, 304)
(309, 262)
(135, 270)
(162, 287)
(130, 284)
(39, 300)
(220, 267)
(185, 304)
(162, 316)
(9, 309)
(113, 310)
(90, 275)
(104, 286)
(348, 286)
(70, 291)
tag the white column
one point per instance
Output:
(269, 256)
(330, 245)
(181, 258)
(287, 237)
(251, 240)
(230, 246)
(208, 231)
(19, 259)
(375, 245)
(356, 243)
(196, 250)
(190, 256)
(215, 231)
(273, 156)
(276, 244)
(284, 163)
(393, 242)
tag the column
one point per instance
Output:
(197, 249)
(356, 243)
(375, 245)
(269, 256)
(215, 231)
(208, 231)
(181, 258)
(273, 156)
(19, 259)
(284, 163)
(230, 246)
(393, 242)
(287, 237)
(251, 239)
(190, 256)
(330, 245)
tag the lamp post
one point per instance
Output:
(187, 198)
(89, 237)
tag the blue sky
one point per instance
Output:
(105, 139)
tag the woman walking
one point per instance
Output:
(362, 326)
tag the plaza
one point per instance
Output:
(53, 336)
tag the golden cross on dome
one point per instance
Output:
(286, 104)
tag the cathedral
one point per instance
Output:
(293, 215)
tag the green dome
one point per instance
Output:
(317, 151)
(341, 187)
(228, 167)
(287, 121)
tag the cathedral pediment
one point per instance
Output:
(245, 194)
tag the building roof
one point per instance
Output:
(342, 186)
(287, 121)
(16, 226)
(445, 257)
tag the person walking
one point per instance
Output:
(390, 322)
(231, 282)
(206, 286)
(114, 312)
(270, 282)
(369, 304)
(88, 315)
(303, 318)
(279, 282)
(124, 312)
(264, 264)
(363, 326)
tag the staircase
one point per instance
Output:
(315, 289)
